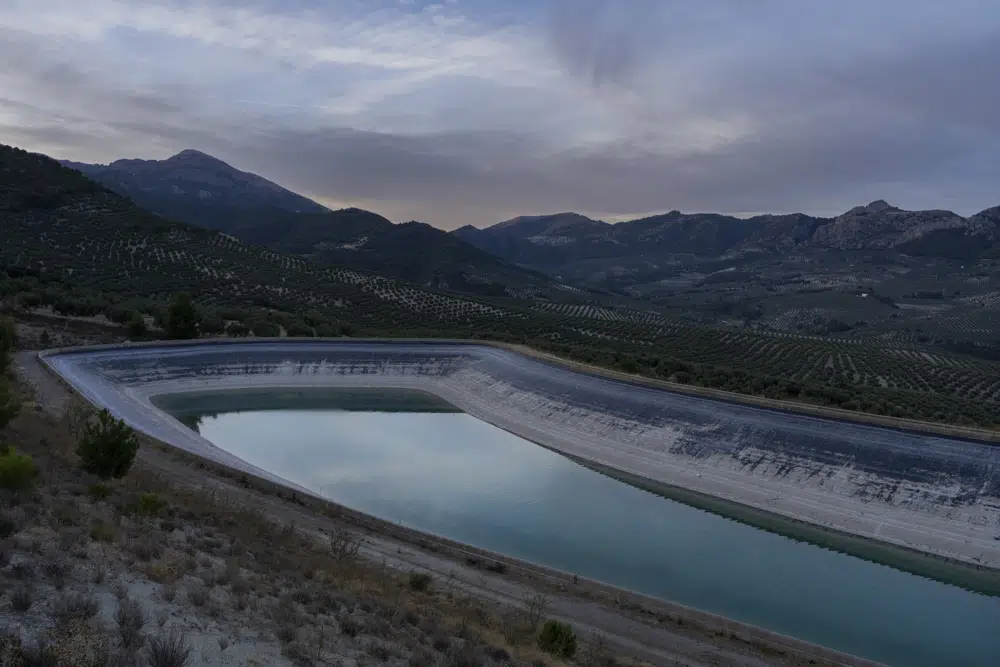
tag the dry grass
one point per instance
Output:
(227, 559)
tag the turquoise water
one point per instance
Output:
(453, 475)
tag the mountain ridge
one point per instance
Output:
(197, 188)
(877, 225)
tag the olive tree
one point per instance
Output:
(182, 317)
(107, 446)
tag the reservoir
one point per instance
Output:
(410, 458)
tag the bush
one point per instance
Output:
(211, 325)
(198, 595)
(10, 405)
(557, 639)
(75, 606)
(7, 527)
(107, 447)
(8, 337)
(130, 618)
(21, 599)
(136, 326)
(264, 329)
(168, 650)
(149, 504)
(300, 330)
(182, 318)
(98, 491)
(420, 581)
(17, 471)
(237, 329)
(102, 531)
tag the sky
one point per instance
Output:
(474, 111)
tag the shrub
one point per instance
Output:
(237, 329)
(264, 329)
(136, 326)
(298, 330)
(198, 595)
(211, 325)
(182, 318)
(8, 337)
(130, 618)
(420, 581)
(17, 471)
(39, 654)
(168, 650)
(557, 639)
(107, 447)
(10, 405)
(98, 491)
(21, 599)
(102, 531)
(76, 606)
(149, 504)
(7, 527)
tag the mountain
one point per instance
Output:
(77, 241)
(879, 225)
(580, 249)
(411, 251)
(199, 189)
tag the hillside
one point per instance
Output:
(651, 257)
(60, 224)
(199, 189)
(877, 226)
(75, 248)
(411, 251)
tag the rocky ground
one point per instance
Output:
(175, 560)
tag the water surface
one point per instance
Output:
(451, 474)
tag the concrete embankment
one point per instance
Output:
(919, 492)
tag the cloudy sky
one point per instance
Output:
(473, 111)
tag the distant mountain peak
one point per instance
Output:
(191, 156)
(195, 187)
(190, 152)
(877, 206)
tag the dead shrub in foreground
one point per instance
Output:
(21, 599)
(75, 606)
(197, 595)
(168, 650)
(344, 545)
(130, 618)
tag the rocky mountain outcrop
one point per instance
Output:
(545, 241)
(879, 225)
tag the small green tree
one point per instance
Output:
(557, 639)
(107, 446)
(211, 324)
(136, 325)
(182, 317)
(17, 471)
(10, 404)
(8, 336)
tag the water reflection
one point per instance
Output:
(456, 476)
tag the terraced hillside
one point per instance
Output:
(57, 223)
(201, 190)
(75, 248)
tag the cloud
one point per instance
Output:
(452, 115)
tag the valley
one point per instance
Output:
(700, 357)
